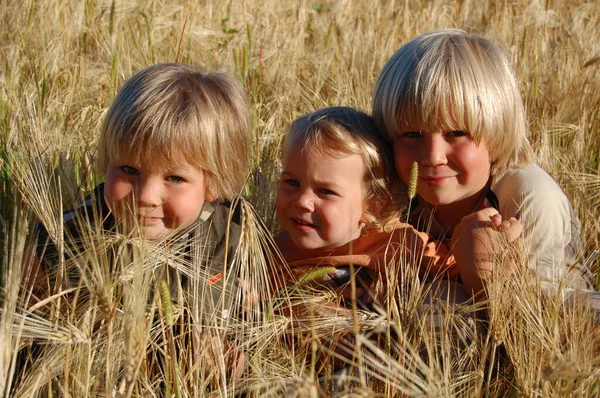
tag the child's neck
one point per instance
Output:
(450, 215)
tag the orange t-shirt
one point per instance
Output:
(373, 250)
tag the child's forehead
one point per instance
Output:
(429, 125)
(154, 159)
(433, 117)
(323, 148)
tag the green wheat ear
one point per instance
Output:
(165, 298)
(315, 274)
(414, 175)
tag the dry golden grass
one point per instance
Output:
(62, 62)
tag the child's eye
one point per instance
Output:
(458, 133)
(175, 179)
(291, 182)
(410, 134)
(129, 170)
(325, 191)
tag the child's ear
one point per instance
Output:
(208, 196)
(366, 218)
(373, 209)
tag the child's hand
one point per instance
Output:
(478, 241)
(250, 296)
(235, 359)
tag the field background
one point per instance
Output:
(61, 63)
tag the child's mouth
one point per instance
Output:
(145, 220)
(301, 224)
(435, 181)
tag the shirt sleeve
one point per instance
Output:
(550, 227)
(435, 257)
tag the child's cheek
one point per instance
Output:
(182, 212)
(281, 202)
(117, 192)
(402, 165)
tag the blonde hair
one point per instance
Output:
(450, 80)
(171, 112)
(348, 131)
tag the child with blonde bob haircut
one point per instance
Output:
(168, 112)
(450, 102)
(335, 205)
(174, 148)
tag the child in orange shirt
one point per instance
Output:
(336, 209)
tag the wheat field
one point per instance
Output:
(62, 62)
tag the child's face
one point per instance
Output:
(320, 198)
(158, 198)
(453, 169)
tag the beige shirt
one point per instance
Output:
(550, 227)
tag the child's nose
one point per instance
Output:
(305, 201)
(150, 192)
(434, 151)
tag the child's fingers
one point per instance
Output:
(487, 213)
(496, 220)
(484, 218)
(250, 295)
(346, 292)
(513, 229)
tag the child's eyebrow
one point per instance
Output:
(174, 168)
(329, 185)
(320, 183)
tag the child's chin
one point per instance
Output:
(311, 245)
(154, 235)
(306, 244)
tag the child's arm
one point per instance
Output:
(34, 282)
(551, 236)
(479, 241)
